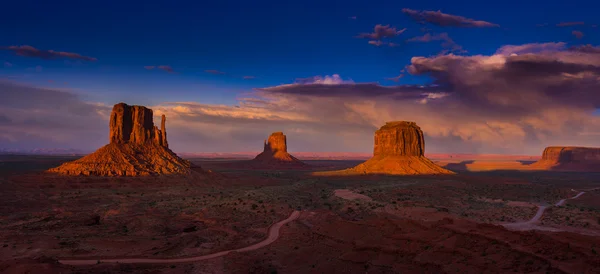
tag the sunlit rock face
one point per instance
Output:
(137, 148)
(398, 149)
(275, 152)
(569, 159)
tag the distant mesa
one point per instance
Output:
(399, 150)
(137, 148)
(275, 153)
(569, 159)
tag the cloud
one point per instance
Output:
(396, 78)
(531, 48)
(570, 24)
(7, 65)
(49, 118)
(577, 34)
(516, 101)
(586, 49)
(215, 72)
(381, 31)
(334, 79)
(248, 77)
(448, 42)
(352, 17)
(29, 51)
(149, 67)
(446, 20)
(168, 69)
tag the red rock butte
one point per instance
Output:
(569, 159)
(275, 153)
(398, 150)
(136, 148)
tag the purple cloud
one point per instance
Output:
(168, 69)
(577, 34)
(214, 71)
(448, 42)
(531, 48)
(29, 51)
(248, 77)
(446, 20)
(396, 78)
(570, 24)
(149, 67)
(381, 31)
(7, 65)
(586, 49)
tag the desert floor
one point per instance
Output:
(463, 223)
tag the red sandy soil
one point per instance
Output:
(349, 195)
(412, 224)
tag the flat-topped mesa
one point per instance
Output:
(399, 138)
(571, 154)
(135, 124)
(569, 159)
(276, 142)
(398, 150)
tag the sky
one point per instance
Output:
(510, 77)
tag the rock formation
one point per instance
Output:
(398, 150)
(275, 153)
(569, 159)
(136, 147)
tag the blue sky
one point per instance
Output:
(274, 42)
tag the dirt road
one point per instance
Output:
(531, 224)
(273, 235)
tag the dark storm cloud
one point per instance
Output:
(446, 20)
(29, 51)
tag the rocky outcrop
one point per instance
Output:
(275, 153)
(569, 159)
(137, 148)
(135, 125)
(399, 139)
(398, 150)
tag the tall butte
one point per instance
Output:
(569, 159)
(399, 150)
(137, 148)
(275, 153)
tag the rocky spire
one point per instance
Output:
(276, 143)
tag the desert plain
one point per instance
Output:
(349, 224)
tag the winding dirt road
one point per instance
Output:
(532, 223)
(273, 235)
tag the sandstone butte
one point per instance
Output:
(569, 159)
(275, 153)
(136, 148)
(398, 150)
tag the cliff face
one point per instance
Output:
(398, 150)
(571, 154)
(137, 148)
(569, 159)
(399, 139)
(134, 124)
